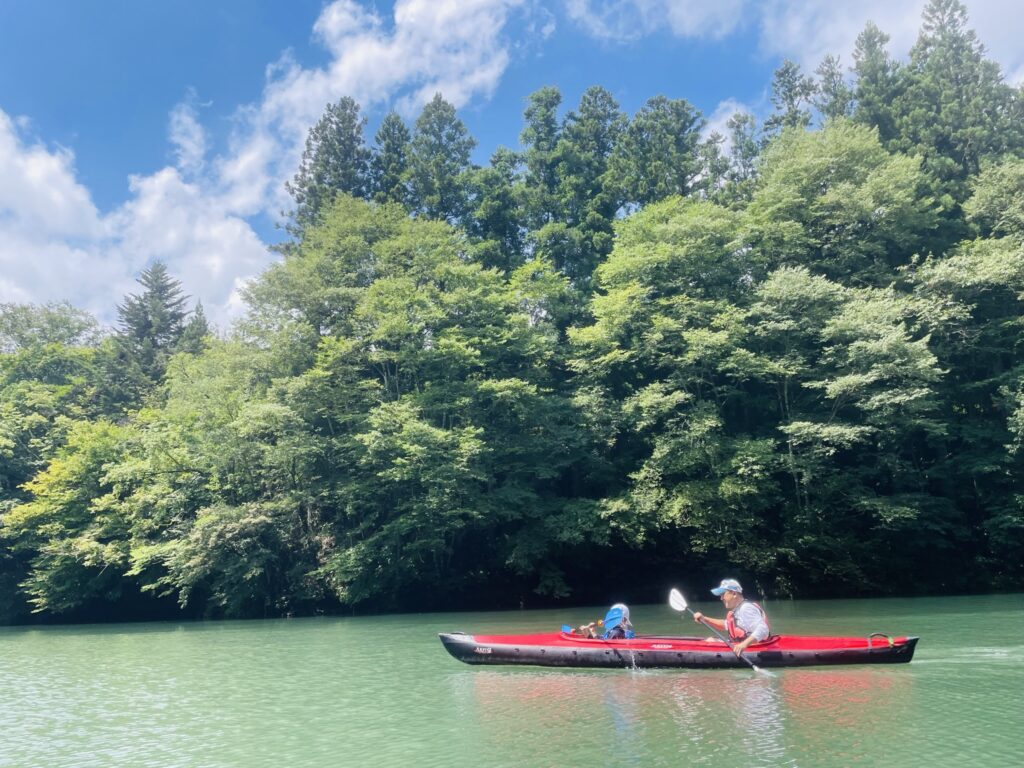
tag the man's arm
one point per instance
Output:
(700, 618)
(751, 621)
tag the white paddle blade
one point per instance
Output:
(676, 600)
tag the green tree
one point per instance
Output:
(51, 377)
(955, 110)
(996, 206)
(335, 160)
(877, 82)
(428, 369)
(980, 343)
(589, 198)
(834, 97)
(539, 138)
(495, 221)
(657, 155)
(72, 528)
(194, 335)
(151, 325)
(439, 162)
(663, 327)
(792, 94)
(31, 325)
(855, 383)
(745, 147)
(836, 201)
(389, 167)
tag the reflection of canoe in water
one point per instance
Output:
(558, 649)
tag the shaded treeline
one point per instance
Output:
(624, 351)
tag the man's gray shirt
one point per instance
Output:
(751, 620)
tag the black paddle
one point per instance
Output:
(678, 603)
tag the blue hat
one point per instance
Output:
(727, 585)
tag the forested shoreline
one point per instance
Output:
(622, 352)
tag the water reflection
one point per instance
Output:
(789, 720)
(735, 712)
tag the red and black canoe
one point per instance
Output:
(560, 649)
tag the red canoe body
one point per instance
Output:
(559, 649)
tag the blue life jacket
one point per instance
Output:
(616, 624)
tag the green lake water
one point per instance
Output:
(381, 691)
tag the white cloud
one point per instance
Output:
(187, 136)
(38, 190)
(202, 242)
(55, 244)
(802, 30)
(452, 46)
(48, 223)
(542, 26)
(807, 30)
(41, 269)
(624, 20)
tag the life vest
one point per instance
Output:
(623, 631)
(616, 623)
(737, 634)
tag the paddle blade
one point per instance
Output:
(676, 600)
(566, 629)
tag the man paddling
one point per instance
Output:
(745, 621)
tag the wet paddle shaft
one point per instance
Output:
(678, 603)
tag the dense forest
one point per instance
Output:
(623, 353)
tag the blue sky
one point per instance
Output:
(134, 131)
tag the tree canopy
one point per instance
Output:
(620, 353)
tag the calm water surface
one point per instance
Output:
(382, 691)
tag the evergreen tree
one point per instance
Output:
(588, 197)
(335, 160)
(495, 219)
(714, 166)
(195, 332)
(539, 139)
(955, 109)
(877, 82)
(792, 92)
(441, 147)
(389, 168)
(657, 155)
(745, 144)
(152, 322)
(834, 97)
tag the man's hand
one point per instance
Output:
(698, 616)
(739, 648)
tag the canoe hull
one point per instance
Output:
(559, 650)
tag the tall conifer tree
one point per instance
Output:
(792, 92)
(441, 147)
(389, 168)
(335, 160)
(152, 322)
(877, 82)
(657, 155)
(540, 138)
